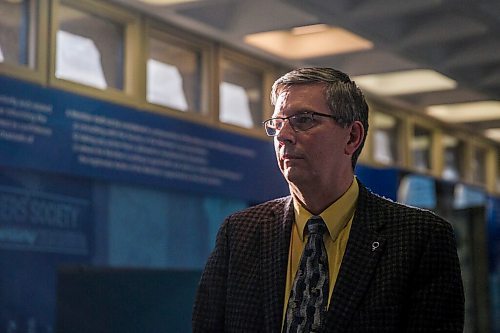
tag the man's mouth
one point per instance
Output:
(289, 156)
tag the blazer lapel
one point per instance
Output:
(275, 242)
(363, 251)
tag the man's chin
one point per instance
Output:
(294, 177)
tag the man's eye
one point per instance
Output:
(303, 120)
(275, 123)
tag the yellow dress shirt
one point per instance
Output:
(338, 218)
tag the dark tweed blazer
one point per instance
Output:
(410, 282)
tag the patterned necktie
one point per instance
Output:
(309, 296)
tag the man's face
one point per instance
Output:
(316, 157)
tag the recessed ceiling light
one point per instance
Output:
(405, 82)
(466, 112)
(308, 41)
(309, 29)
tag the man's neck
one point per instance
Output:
(317, 198)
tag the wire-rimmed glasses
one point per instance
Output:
(299, 122)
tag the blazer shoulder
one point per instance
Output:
(266, 209)
(249, 218)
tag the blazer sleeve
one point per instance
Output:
(209, 306)
(436, 303)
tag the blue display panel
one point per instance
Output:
(45, 221)
(50, 130)
(384, 181)
(44, 215)
(493, 218)
(72, 176)
(418, 191)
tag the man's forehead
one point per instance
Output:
(305, 90)
(287, 104)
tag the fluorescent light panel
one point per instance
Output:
(405, 82)
(308, 42)
(309, 29)
(466, 112)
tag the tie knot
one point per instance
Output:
(316, 225)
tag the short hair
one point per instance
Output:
(345, 99)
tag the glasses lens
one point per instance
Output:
(270, 126)
(302, 122)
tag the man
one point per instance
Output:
(372, 265)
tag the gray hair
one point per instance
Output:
(344, 98)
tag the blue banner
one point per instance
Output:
(50, 130)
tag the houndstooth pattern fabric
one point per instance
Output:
(309, 295)
(400, 272)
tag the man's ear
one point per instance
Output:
(356, 135)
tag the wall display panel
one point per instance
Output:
(100, 41)
(49, 222)
(494, 260)
(38, 215)
(498, 178)
(45, 221)
(176, 230)
(51, 130)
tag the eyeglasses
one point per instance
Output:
(299, 122)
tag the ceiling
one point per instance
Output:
(457, 38)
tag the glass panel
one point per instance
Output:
(453, 158)
(174, 76)
(386, 139)
(421, 148)
(479, 166)
(100, 40)
(17, 42)
(240, 95)
(463, 221)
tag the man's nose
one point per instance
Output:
(286, 133)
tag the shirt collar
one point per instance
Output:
(336, 216)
